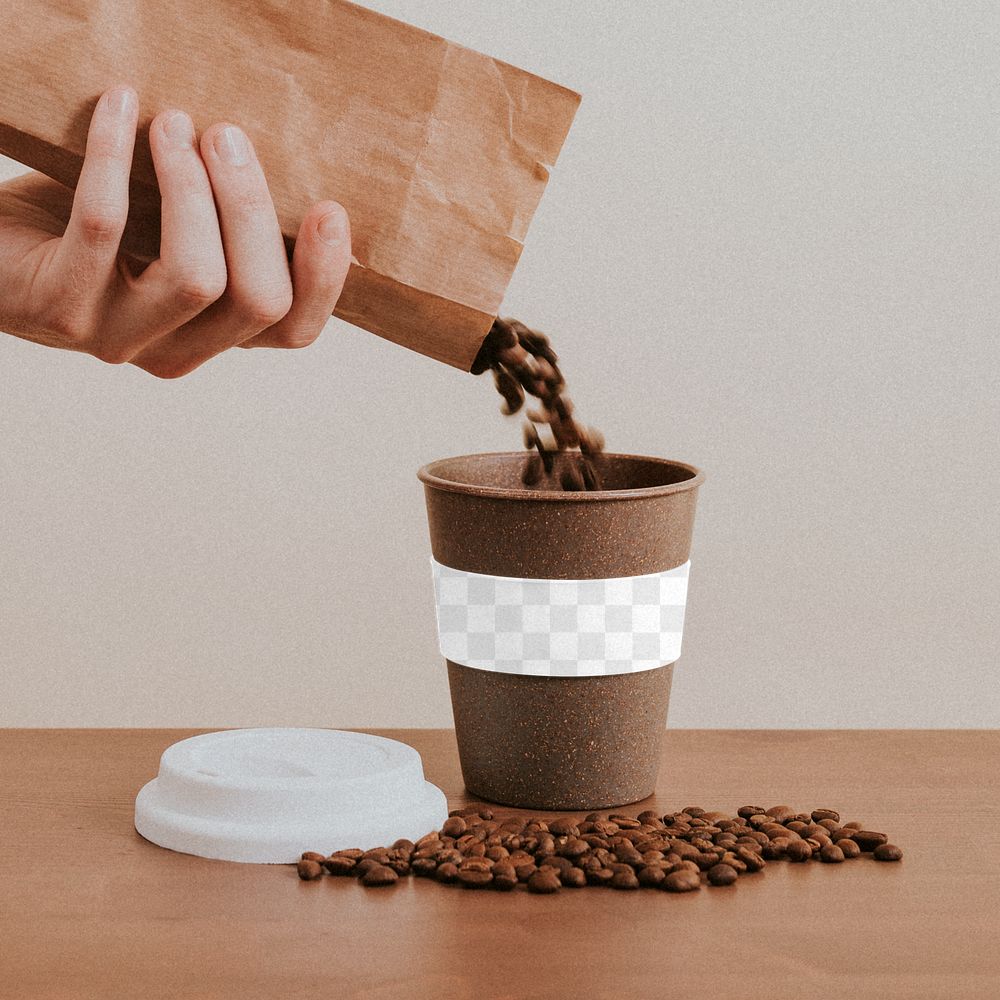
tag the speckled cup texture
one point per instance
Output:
(560, 743)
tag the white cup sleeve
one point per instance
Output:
(560, 628)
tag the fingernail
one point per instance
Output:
(179, 129)
(232, 146)
(332, 227)
(120, 101)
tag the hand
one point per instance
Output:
(222, 278)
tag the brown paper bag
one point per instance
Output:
(440, 154)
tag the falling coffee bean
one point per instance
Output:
(523, 363)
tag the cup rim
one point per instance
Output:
(427, 475)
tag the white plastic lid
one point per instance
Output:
(267, 795)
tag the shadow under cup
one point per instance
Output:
(560, 663)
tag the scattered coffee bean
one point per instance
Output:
(818, 815)
(798, 850)
(379, 875)
(336, 865)
(474, 878)
(868, 840)
(722, 874)
(309, 869)
(669, 851)
(849, 848)
(544, 880)
(682, 881)
(887, 852)
(625, 878)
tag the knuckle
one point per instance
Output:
(101, 224)
(199, 288)
(262, 310)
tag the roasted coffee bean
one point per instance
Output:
(818, 815)
(625, 879)
(525, 871)
(849, 848)
(455, 826)
(868, 840)
(798, 850)
(751, 859)
(476, 864)
(379, 875)
(853, 825)
(336, 865)
(781, 813)
(504, 877)
(554, 861)
(529, 365)
(745, 812)
(544, 880)
(651, 876)
(599, 876)
(887, 852)
(446, 873)
(475, 850)
(473, 878)
(681, 881)
(564, 826)
(573, 848)
(424, 867)
(308, 869)
(533, 471)
(722, 874)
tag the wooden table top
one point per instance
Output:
(88, 909)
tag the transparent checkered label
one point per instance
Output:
(560, 628)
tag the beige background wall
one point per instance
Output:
(770, 248)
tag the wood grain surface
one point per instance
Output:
(88, 909)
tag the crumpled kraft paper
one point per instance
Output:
(440, 154)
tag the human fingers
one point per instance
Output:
(320, 262)
(190, 273)
(259, 287)
(84, 260)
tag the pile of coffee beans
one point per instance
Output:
(478, 850)
(524, 364)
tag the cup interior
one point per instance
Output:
(501, 473)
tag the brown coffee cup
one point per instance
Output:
(559, 615)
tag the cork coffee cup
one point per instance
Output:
(560, 617)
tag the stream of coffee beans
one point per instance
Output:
(524, 364)
(673, 852)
